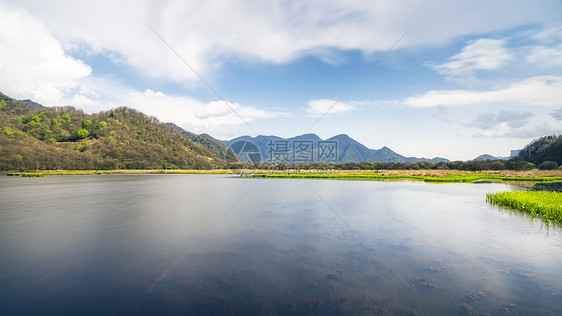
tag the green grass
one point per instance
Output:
(449, 178)
(544, 204)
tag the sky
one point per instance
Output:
(452, 79)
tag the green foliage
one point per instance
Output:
(548, 148)
(543, 204)
(55, 123)
(82, 133)
(2, 104)
(102, 124)
(87, 124)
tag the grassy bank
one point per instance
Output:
(434, 178)
(544, 204)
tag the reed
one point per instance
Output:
(544, 204)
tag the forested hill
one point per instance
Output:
(36, 137)
(546, 150)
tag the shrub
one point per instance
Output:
(548, 165)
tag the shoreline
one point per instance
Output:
(435, 176)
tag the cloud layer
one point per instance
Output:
(535, 91)
(276, 31)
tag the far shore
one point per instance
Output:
(424, 175)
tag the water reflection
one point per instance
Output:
(95, 244)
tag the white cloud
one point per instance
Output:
(322, 106)
(206, 33)
(531, 131)
(505, 119)
(535, 91)
(194, 115)
(151, 93)
(550, 33)
(34, 64)
(548, 57)
(482, 54)
(557, 114)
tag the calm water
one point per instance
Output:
(98, 244)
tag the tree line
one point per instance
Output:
(516, 163)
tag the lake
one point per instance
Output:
(221, 244)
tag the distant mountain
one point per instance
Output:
(489, 157)
(17, 107)
(484, 157)
(31, 103)
(348, 149)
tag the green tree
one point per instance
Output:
(498, 165)
(87, 124)
(2, 104)
(82, 133)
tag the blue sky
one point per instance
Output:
(468, 78)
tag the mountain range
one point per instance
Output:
(347, 149)
(36, 137)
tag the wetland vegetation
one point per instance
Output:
(446, 178)
(544, 204)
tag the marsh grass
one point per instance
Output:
(447, 178)
(544, 204)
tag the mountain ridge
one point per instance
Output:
(348, 149)
(208, 141)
